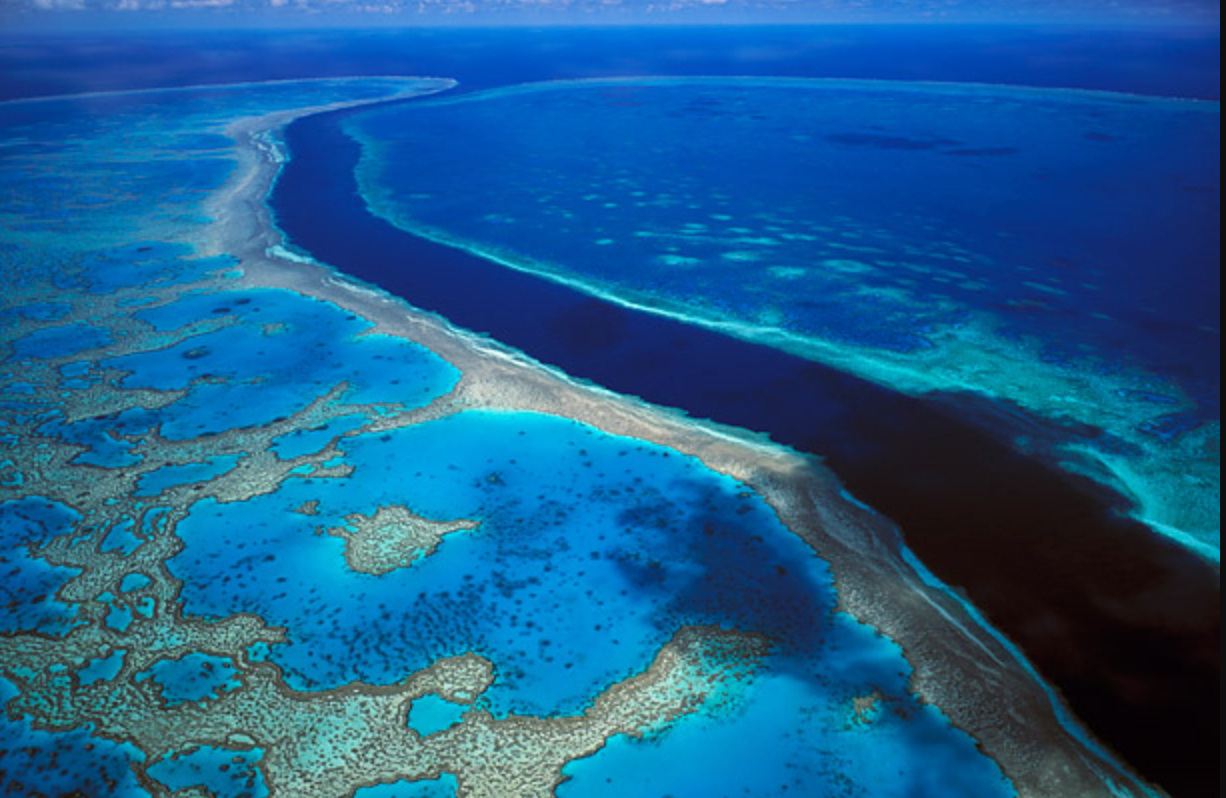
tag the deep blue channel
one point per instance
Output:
(1046, 555)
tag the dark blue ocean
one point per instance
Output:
(1167, 62)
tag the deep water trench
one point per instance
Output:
(1123, 622)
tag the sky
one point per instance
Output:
(297, 13)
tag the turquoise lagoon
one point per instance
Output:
(194, 463)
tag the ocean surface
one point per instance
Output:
(1160, 61)
(240, 471)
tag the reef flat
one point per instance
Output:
(260, 519)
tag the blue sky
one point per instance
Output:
(292, 13)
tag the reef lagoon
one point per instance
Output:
(382, 437)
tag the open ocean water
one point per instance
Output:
(736, 206)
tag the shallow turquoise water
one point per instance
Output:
(443, 787)
(81, 760)
(53, 342)
(30, 583)
(790, 738)
(226, 773)
(102, 668)
(300, 442)
(194, 677)
(431, 714)
(301, 356)
(147, 264)
(591, 551)
(155, 482)
(103, 449)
